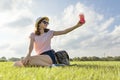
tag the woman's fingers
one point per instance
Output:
(25, 60)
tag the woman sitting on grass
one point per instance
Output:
(41, 41)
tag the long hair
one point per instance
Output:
(37, 30)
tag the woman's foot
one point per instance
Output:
(18, 64)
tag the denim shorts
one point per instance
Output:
(51, 54)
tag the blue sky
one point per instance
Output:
(99, 35)
(110, 8)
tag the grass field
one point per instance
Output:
(88, 70)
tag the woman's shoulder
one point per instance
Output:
(51, 31)
(32, 35)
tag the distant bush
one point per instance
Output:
(13, 59)
(94, 58)
(3, 60)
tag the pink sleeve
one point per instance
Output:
(51, 33)
(32, 35)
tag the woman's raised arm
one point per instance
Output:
(55, 33)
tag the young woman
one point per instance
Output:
(41, 41)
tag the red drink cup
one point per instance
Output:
(82, 19)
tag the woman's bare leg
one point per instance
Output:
(40, 60)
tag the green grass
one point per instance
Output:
(88, 70)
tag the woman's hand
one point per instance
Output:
(26, 59)
(81, 22)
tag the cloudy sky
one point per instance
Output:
(100, 35)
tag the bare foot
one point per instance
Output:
(18, 64)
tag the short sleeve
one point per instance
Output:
(32, 35)
(51, 33)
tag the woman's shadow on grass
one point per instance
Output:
(89, 66)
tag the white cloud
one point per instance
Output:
(16, 24)
(22, 22)
(19, 8)
(106, 24)
(3, 4)
(92, 39)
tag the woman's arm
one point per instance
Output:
(55, 33)
(30, 46)
(29, 52)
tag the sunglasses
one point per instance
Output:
(45, 22)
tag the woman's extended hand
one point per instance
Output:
(82, 20)
(79, 24)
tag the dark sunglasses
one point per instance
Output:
(45, 22)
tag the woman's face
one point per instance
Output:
(43, 24)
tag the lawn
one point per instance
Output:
(82, 70)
